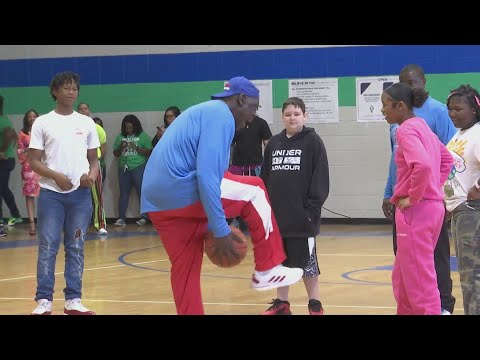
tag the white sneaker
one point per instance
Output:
(445, 312)
(141, 222)
(277, 277)
(44, 307)
(102, 231)
(120, 222)
(75, 307)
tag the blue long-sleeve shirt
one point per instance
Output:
(188, 164)
(436, 116)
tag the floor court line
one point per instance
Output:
(344, 256)
(206, 303)
(90, 269)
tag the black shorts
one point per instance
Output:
(301, 253)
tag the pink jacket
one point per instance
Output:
(423, 163)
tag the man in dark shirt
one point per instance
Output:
(247, 153)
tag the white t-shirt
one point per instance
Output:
(465, 149)
(65, 141)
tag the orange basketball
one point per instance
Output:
(240, 247)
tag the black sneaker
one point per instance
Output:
(278, 307)
(2, 232)
(315, 307)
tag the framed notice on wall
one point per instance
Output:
(368, 93)
(320, 97)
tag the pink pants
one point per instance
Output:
(414, 278)
(182, 232)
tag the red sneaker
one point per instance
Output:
(278, 307)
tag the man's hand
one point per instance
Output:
(63, 182)
(224, 248)
(404, 203)
(86, 181)
(388, 209)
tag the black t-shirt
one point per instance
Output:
(247, 143)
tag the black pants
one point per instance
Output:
(247, 171)
(442, 266)
(103, 169)
(6, 168)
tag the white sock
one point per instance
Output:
(266, 272)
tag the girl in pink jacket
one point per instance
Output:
(423, 165)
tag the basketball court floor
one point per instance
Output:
(127, 272)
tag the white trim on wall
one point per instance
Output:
(10, 52)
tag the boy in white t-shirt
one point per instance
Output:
(63, 151)
(462, 190)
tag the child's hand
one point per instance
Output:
(63, 182)
(86, 181)
(404, 203)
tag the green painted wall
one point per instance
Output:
(157, 97)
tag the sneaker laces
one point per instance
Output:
(42, 306)
(76, 304)
(277, 304)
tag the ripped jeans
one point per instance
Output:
(68, 214)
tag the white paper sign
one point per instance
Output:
(368, 93)
(320, 97)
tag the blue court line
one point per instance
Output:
(125, 234)
(122, 259)
(352, 281)
(347, 275)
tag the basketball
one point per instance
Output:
(240, 247)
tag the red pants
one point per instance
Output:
(182, 232)
(414, 278)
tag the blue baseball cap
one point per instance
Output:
(238, 85)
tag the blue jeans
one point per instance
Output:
(68, 213)
(126, 180)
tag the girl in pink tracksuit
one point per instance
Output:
(423, 165)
